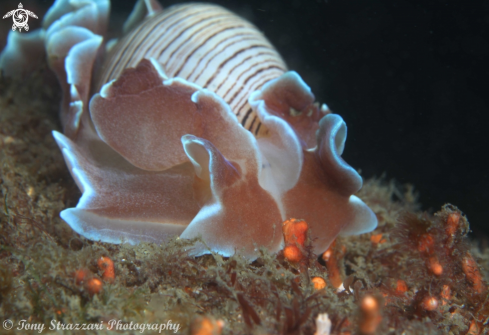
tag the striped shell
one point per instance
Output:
(206, 45)
(159, 144)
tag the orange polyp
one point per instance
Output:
(446, 294)
(80, 276)
(293, 254)
(377, 239)
(452, 224)
(469, 266)
(370, 315)
(474, 328)
(429, 303)
(106, 265)
(94, 286)
(295, 231)
(435, 266)
(369, 304)
(401, 286)
(206, 326)
(332, 266)
(426, 243)
(327, 255)
(319, 283)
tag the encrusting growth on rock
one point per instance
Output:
(106, 265)
(370, 315)
(331, 258)
(206, 325)
(471, 271)
(94, 286)
(295, 234)
(85, 278)
(318, 283)
(429, 303)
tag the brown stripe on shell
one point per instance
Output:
(207, 45)
(203, 43)
(124, 49)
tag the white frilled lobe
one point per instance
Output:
(23, 53)
(71, 37)
(322, 191)
(90, 14)
(281, 152)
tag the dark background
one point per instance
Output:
(410, 78)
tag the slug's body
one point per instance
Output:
(190, 125)
(206, 45)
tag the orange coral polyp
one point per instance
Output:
(446, 294)
(370, 315)
(401, 286)
(473, 329)
(435, 266)
(295, 231)
(204, 325)
(429, 303)
(329, 257)
(452, 223)
(377, 239)
(293, 254)
(472, 273)
(94, 286)
(426, 243)
(80, 276)
(106, 265)
(319, 283)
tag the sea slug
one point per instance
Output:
(190, 125)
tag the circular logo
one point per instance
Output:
(8, 324)
(20, 17)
